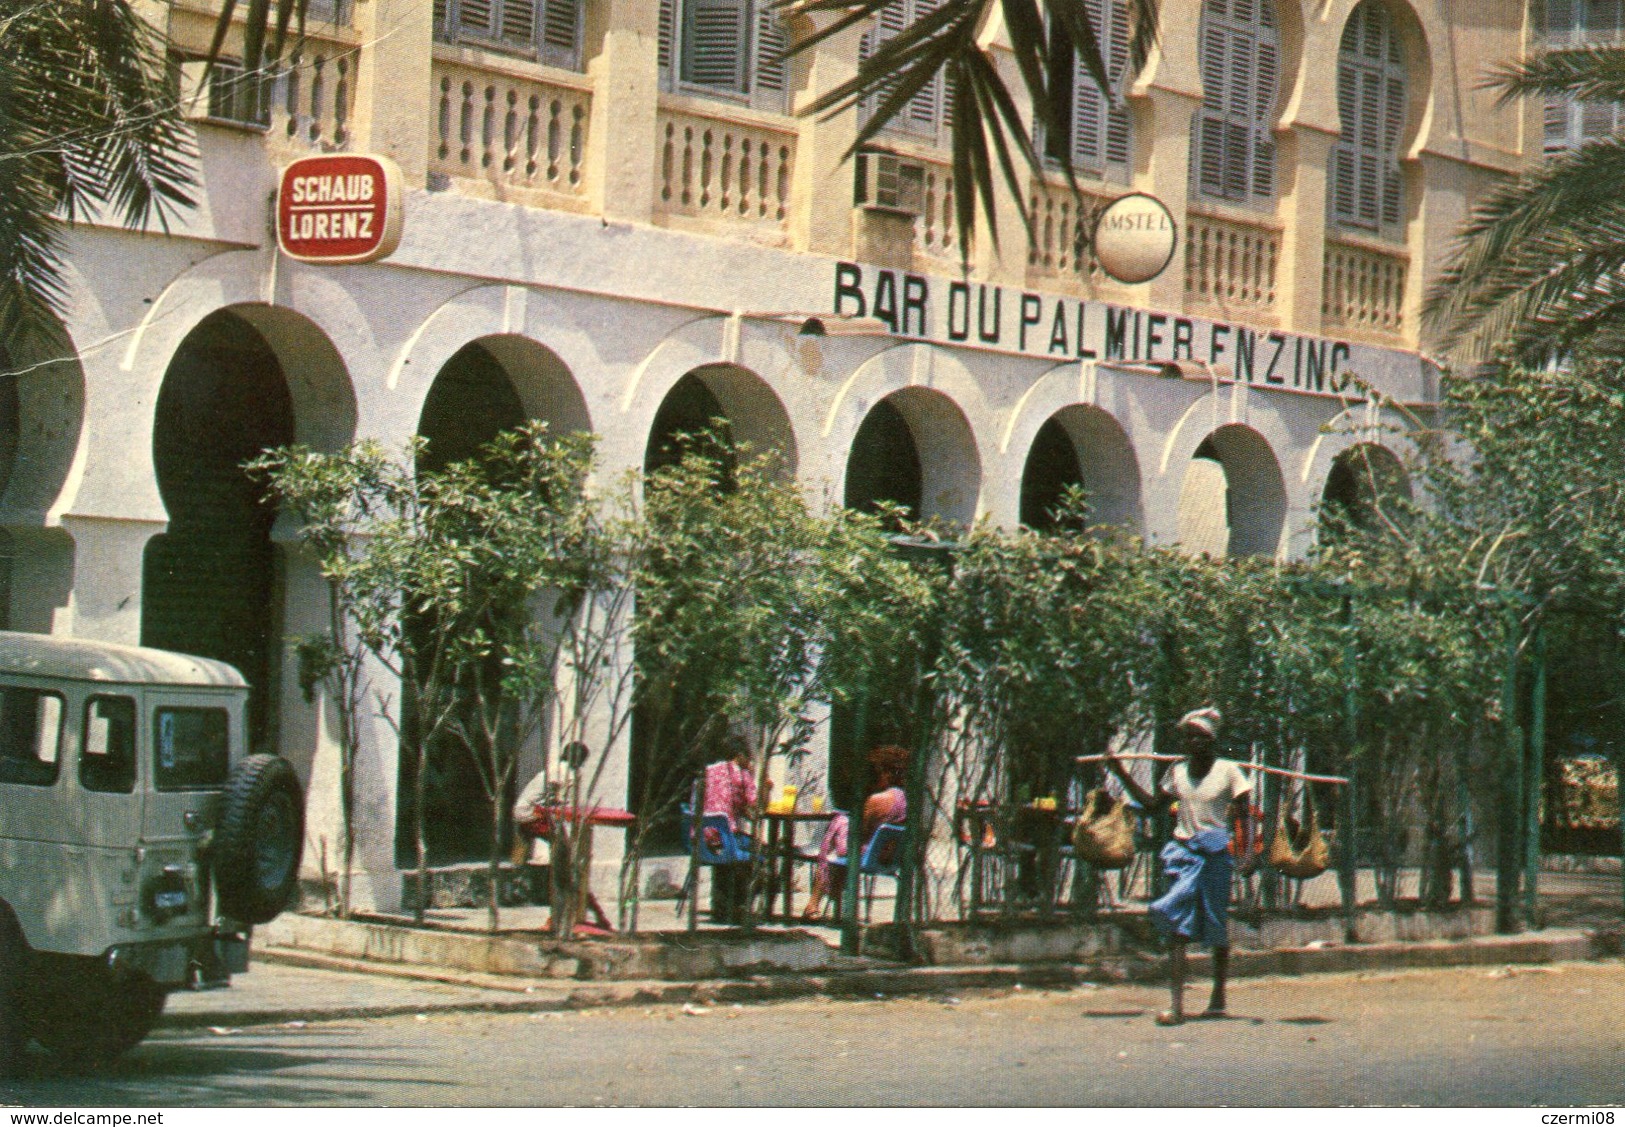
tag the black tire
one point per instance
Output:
(259, 840)
(88, 1017)
(13, 966)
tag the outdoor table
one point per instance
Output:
(781, 852)
(546, 819)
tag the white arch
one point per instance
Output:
(755, 370)
(505, 319)
(957, 484)
(1092, 403)
(116, 476)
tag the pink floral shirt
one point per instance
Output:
(729, 789)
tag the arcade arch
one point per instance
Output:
(1361, 480)
(245, 379)
(751, 415)
(490, 385)
(1082, 446)
(1233, 499)
(915, 449)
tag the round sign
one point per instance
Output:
(339, 208)
(1135, 238)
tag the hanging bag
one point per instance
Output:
(1301, 854)
(1104, 836)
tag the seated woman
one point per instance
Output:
(886, 805)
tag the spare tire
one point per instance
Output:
(259, 839)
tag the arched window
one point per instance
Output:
(1234, 151)
(1095, 133)
(1367, 192)
(1581, 23)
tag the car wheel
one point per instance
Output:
(259, 840)
(89, 1016)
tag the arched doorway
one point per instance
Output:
(1233, 499)
(914, 450)
(211, 583)
(1360, 490)
(675, 731)
(1083, 447)
(487, 387)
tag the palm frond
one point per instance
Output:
(1561, 225)
(986, 126)
(1592, 74)
(88, 122)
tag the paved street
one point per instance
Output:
(1546, 1035)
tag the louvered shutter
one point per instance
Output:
(769, 67)
(714, 44)
(474, 17)
(442, 19)
(1560, 19)
(516, 22)
(924, 110)
(561, 33)
(1267, 90)
(1234, 156)
(1100, 132)
(1116, 37)
(666, 35)
(1367, 190)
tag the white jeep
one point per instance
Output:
(139, 843)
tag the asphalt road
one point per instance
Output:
(1538, 1035)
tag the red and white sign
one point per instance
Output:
(339, 208)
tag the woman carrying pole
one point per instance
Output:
(1211, 793)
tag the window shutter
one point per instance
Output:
(1368, 188)
(442, 18)
(1268, 85)
(1117, 139)
(925, 113)
(666, 34)
(714, 43)
(474, 17)
(770, 66)
(1240, 65)
(561, 33)
(517, 22)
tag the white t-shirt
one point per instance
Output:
(1206, 805)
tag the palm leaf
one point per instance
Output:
(985, 124)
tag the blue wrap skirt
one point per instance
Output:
(1196, 906)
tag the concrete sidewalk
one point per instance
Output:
(296, 986)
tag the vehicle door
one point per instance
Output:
(191, 739)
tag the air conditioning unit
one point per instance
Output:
(888, 182)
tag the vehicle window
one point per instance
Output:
(108, 760)
(190, 747)
(30, 735)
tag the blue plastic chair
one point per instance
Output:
(732, 850)
(881, 857)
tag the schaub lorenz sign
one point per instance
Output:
(339, 209)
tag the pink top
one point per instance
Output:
(729, 789)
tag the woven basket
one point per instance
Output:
(1104, 836)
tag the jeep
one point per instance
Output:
(139, 842)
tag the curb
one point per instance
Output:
(540, 996)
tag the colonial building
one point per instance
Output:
(616, 220)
